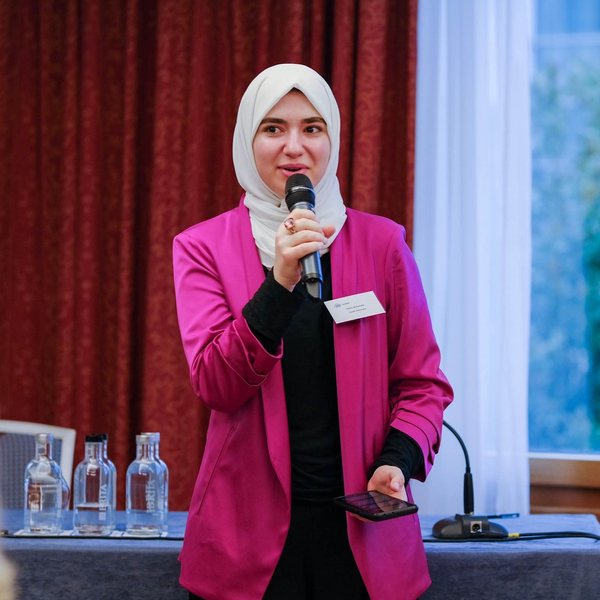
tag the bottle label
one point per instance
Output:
(103, 501)
(150, 496)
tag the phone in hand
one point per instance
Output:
(375, 506)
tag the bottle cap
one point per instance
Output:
(44, 438)
(94, 437)
(104, 435)
(155, 435)
(144, 438)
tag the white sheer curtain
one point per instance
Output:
(472, 240)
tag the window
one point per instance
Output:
(564, 378)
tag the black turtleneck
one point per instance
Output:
(308, 365)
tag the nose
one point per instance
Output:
(293, 144)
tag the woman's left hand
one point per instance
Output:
(387, 480)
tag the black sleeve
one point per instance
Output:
(270, 311)
(401, 451)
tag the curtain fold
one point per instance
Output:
(473, 240)
(116, 124)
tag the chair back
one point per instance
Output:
(17, 448)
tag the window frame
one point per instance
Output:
(564, 483)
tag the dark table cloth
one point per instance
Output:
(114, 569)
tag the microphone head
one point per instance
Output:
(299, 188)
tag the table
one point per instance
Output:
(96, 569)
(109, 569)
(552, 569)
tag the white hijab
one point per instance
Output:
(267, 209)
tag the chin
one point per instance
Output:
(279, 189)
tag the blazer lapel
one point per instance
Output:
(272, 389)
(348, 356)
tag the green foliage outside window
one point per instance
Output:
(565, 325)
(588, 86)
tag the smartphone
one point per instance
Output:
(376, 506)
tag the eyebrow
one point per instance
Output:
(283, 121)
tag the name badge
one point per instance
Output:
(354, 307)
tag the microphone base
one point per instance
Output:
(462, 527)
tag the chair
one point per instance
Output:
(17, 448)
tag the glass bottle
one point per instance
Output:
(163, 464)
(93, 513)
(43, 489)
(144, 497)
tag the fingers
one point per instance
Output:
(360, 518)
(388, 480)
(298, 235)
(302, 213)
(302, 223)
(328, 230)
(292, 254)
(395, 480)
(290, 248)
(306, 219)
(397, 488)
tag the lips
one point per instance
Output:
(292, 169)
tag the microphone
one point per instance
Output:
(299, 193)
(467, 526)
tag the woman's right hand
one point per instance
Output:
(290, 247)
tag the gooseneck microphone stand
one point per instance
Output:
(467, 525)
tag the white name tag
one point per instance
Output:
(354, 307)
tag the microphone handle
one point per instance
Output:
(312, 275)
(303, 206)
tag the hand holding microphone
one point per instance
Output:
(297, 245)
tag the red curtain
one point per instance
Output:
(116, 123)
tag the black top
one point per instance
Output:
(308, 365)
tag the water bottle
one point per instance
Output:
(144, 496)
(43, 489)
(163, 464)
(93, 511)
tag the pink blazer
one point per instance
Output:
(387, 371)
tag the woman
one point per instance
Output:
(303, 410)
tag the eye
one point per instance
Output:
(314, 129)
(271, 129)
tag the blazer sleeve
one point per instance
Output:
(227, 362)
(418, 390)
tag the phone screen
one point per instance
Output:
(376, 505)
